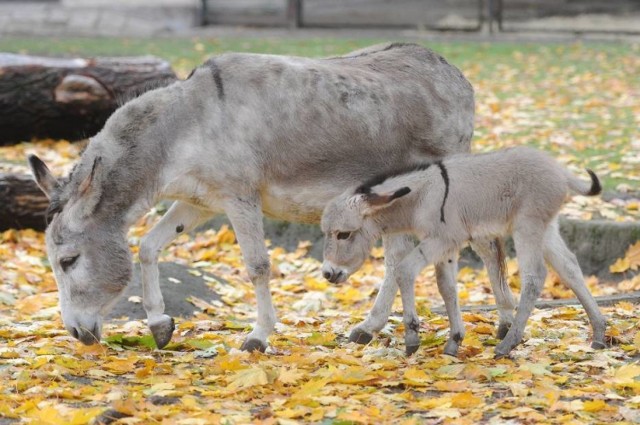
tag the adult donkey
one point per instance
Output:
(248, 135)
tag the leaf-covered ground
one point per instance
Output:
(581, 102)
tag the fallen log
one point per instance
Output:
(69, 98)
(22, 203)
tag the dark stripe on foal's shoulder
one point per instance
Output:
(217, 79)
(365, 188)
(445, 177)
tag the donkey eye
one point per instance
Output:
(343, 235)
(67, 262)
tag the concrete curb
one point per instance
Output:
(597, 243)
(609, 300)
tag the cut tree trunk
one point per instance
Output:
(22, 203)
(69, 98)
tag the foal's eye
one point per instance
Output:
(343, 235)
(67, 262)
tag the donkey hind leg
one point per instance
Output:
(180, 218)
(396, 247)
(564, 262)
(245, 215)
(528, 242)
(492, 254)
(425, 253)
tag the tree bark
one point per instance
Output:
(69, 98)
(22, 203)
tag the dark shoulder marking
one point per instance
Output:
(445, 177)
(217, 78)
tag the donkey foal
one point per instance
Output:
(516, 191)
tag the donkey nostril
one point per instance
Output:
(326, 275)
(74, 333)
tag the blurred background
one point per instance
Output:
(155, 17)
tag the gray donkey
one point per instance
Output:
(462, 198)
(248, 135)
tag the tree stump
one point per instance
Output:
(69, 98)
(22, 203)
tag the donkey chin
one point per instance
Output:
(85, 326)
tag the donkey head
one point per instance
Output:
(88, 251)
(350, 230)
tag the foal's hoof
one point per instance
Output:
(360, 336)
(162, 330)
(597, 345)
(252, 345)
(503, 328)
(410, 349)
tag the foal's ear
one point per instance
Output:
(43, 176)
(373, 201)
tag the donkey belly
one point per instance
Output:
(303, 204)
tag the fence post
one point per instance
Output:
(294, 13)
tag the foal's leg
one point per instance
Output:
(564, 262)
(245, 215)
(492, 254)
(528, 239)
(180, 218)
(425, 253)
(396, 247)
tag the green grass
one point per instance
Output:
(541, 90)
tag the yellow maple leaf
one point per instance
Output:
(120, 366)
(309, 389)
(465, 400)
(247, 378)
(594, 405)
(630, 261)
(416, 377)
(290, 376)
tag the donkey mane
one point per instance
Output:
(365, 188)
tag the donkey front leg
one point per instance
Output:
(396, 247)
(425, 253)
(245, 215)
(180, 218)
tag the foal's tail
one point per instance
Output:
(585, 188)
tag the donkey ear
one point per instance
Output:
(373, 202)
(43, 176)
(87, 183)
(90, 189)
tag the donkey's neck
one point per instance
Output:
(133, 146)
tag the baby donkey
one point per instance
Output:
(516, 191)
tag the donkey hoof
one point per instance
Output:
(359, 336)
(252, 345)
(503, 328)
(162, 330)
(410, 349)
(451, 348)
(502, 351)
(597, 345)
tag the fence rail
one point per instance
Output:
(577, 16)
